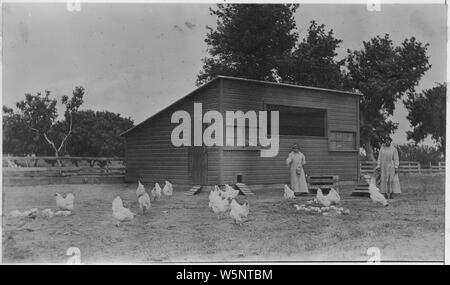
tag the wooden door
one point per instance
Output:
(198, 165)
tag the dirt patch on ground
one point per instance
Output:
(182, 228)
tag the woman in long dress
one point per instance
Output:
(387, 165)
(295, 162)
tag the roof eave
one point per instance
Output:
(292, 85)
(159, 112)
(241, 79)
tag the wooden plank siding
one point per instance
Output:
(341, 115)
(149, 150)
(151, 155)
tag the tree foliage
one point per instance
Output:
(313, 62)
(422, 153)
(78, 133)
(18, 139)
(39, 114)
(249, 40)
(383, 73)
(427, 114)
(98, 134)
(259, 42)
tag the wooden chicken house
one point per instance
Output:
(323, 122)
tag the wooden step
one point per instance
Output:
(194, 190)
(362, 189)
(360, 193)
(325, 189)
(243, 189)
(322, 176)
(324, 182)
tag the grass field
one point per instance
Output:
(183, 228)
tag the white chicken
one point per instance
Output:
(143, 198)
(230, 192)
(140, 189)
(239, 212)
(15, 214)
(299, 208)
(75, 255)
(375, 194)
(144, 202)
(316, 209)
(221, 205)
(65, 203)
(30, 213)
(288, 192)
(156, 191)
(321, 199)
(214, 195)
(168, 189)
(47, 213)
(333, 197)
(120, 213)
(64, 213)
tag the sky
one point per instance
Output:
(136, 59)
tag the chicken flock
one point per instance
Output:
(222, 203)
(321, 204)
(122, 213)
(64, 205)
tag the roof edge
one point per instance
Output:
(170, 105)
(240, 79)
(291, 85)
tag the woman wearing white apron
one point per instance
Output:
(388, 164)
(295, 162)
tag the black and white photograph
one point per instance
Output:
(215, 132)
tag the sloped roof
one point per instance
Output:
(241, 79)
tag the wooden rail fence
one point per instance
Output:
(367, 167)
(38, 165)
(45, 166)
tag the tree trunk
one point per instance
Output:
(54, 148)
(369, 150)
(366, 139)
(57, 160)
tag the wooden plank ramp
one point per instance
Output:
(194, 190)
(244, 189)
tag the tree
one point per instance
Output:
(383, 73)
(313, 62)
(424, 154)
(98, 134)
(39, 114)
(249, 40)
(29, 130)
(17, 138)
(427, 115)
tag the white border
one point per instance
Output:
(339, 2)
